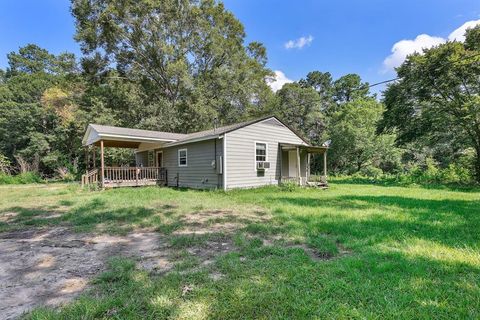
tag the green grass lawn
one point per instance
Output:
(381, 252)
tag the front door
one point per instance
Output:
(292, 163)
(160, 159)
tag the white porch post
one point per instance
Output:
(325, 165)
(307, 169)
(298, 167)
(87, 159)
(102, 164)
(94, 152)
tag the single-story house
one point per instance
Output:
(255, 153)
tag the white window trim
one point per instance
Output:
(186, 157)
(255, 154)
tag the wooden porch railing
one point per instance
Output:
(90, 178)
(134, 176)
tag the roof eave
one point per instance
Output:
(268, 117)
(88, 132)
(117, 137)
(309, 148)
(178, 143)
(133, 138)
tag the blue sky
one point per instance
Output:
(349, 36)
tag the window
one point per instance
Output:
(260, 151)
(182, 157)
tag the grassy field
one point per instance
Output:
(352, 251)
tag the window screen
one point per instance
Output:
(260, 152)
(182, 157)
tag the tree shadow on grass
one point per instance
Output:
(93, 215)
(373, 284)
(452, 222)
(395, 183)
(285, 283)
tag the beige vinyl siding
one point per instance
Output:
(199, 172)
(240, 153)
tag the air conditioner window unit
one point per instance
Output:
(262, 165)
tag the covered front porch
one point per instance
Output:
(119, 176)
(97, 173)
(296, 165)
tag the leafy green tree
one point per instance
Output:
(300, 107)
(348, 88)
(187, 56)
(356, 146)
(38, 108)
(33, 59)
(437, 98)
(322, 83)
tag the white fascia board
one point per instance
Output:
(86, 136)
(91, 136)
(119, 137)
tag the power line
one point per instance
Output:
(363, 87)
(398, 78)
(379, 83)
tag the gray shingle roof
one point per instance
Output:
(177, 138)
(109, 130)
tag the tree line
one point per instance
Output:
(177, 65)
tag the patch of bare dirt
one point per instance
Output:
(7, 216)
(220, 221)
(52, 266)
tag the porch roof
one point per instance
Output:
(126, 137)
(132, 138)
(310, 149)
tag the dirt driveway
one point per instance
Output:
(52, 266)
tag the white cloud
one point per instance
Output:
(277, 82)
(459, 33)
(403, 48)
(299, 43)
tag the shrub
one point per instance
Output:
(372, 172)
(289, 186)
(65, 174)
(430, 174)
(5, 164)
(22, 178)
(456, 174)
